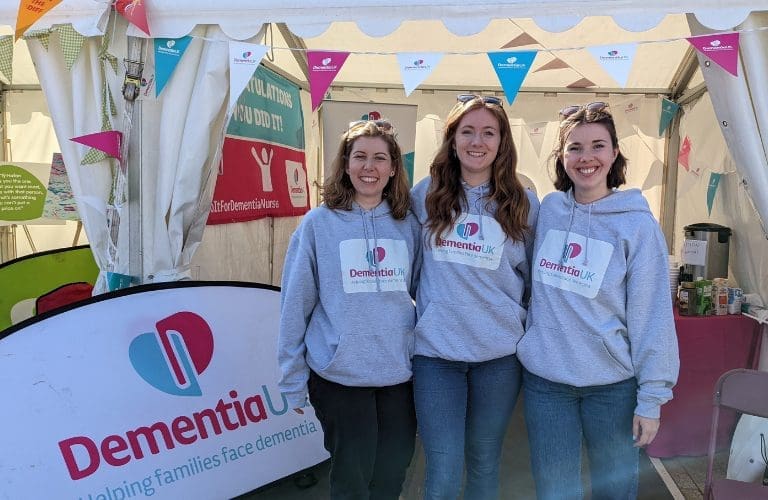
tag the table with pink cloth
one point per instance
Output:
(709, 347)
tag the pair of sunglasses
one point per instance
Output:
(487, 99)
(383, 125)
(592, 107)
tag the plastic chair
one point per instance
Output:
(745, 391)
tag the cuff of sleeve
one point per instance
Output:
(647, 409)
(296, 399)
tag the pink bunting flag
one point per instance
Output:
(684, 154)
(135, 12)
(323, 68)
(723, 49)
(108, 141)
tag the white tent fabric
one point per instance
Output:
(180, 138)
(74, 100)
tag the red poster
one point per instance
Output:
(262, 172)
(258, 179)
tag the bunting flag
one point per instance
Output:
(323, 68)
(6, 57)
(536, 134)
(29, 12)
(616, 60)
(42, 36)
(117, 281)
(714, 182)
(668, 112)
(415, 67)
(511, 69)
(685, 153)
(244, 58)
(722, 49)
(71, 43)
(108, 142)
(135, 12)
(168, 53)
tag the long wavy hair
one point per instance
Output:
(618, 173)
(339, 192)
(446, 199)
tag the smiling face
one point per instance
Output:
(476, 144)
(588, 155)
(369, 167)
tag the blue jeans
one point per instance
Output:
(463, 409)
(558, 416)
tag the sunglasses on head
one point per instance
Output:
(383, 125)
(592, 107)
(487, 99)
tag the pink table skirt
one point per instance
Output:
(709, 347)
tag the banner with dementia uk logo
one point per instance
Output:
(163, 391)
(263, 168)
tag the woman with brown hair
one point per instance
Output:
(478, 224)
(347, 315)
(600, 351)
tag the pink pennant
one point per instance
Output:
(685, 152)
(135, 12)
(323, 68)
(723, 49)
(108, 141)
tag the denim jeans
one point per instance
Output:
(558, 416)
(463, 410)
(370, 433)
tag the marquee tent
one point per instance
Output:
(171, 144)
(173, 152)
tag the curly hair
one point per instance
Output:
(618, 173)
(446, 197)
(339, 193)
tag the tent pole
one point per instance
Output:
(680, 82)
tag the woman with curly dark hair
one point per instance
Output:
(477, 237)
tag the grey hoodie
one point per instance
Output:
(473, 282)
(347, 307)
(601, 310)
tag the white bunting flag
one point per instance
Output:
(616, 60)
(415, 67)
(244, 58)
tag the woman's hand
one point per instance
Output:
(644, 429)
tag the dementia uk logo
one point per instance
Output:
(168, 48)
(511, 63)
(245, 58)
(464, 231)
(417, 65)
(716, 46)
(375, 256)
(171, 358)
(614, 55)
(325, 65)
(570, 251)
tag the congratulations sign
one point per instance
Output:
(154, 391)
(263, 171)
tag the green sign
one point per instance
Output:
(25, 279)
(22, 195)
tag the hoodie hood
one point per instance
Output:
(617, 202)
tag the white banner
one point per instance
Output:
(166, 391)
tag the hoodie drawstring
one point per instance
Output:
(374, 261)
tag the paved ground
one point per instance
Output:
(516, 480)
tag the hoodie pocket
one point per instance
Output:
(573, 357)
(378, 356)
